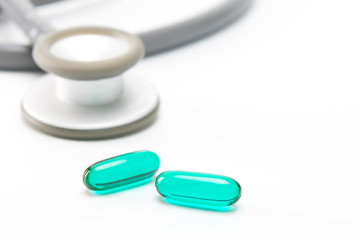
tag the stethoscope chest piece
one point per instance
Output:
(89, 100)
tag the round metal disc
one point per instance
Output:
(133, 110)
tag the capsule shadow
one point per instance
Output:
(198, 206)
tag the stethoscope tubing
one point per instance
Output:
(18, 57)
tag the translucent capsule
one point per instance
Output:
(198, 188)
(121, 170)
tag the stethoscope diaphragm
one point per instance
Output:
(89, 99)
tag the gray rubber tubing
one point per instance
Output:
(40, 2)
(18, 57)
(15, 56)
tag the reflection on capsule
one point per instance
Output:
(198, 189)
(120, 171)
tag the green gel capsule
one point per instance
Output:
(121, 170)
(198, 188)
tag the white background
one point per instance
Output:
(272, 101)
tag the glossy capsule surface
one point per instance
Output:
(121, 170)
(198, 188)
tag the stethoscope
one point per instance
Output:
(91, 99)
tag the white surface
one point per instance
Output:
(138, 99)
(272, 101)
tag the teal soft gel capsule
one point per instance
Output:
(121, 170)
(198, 188)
